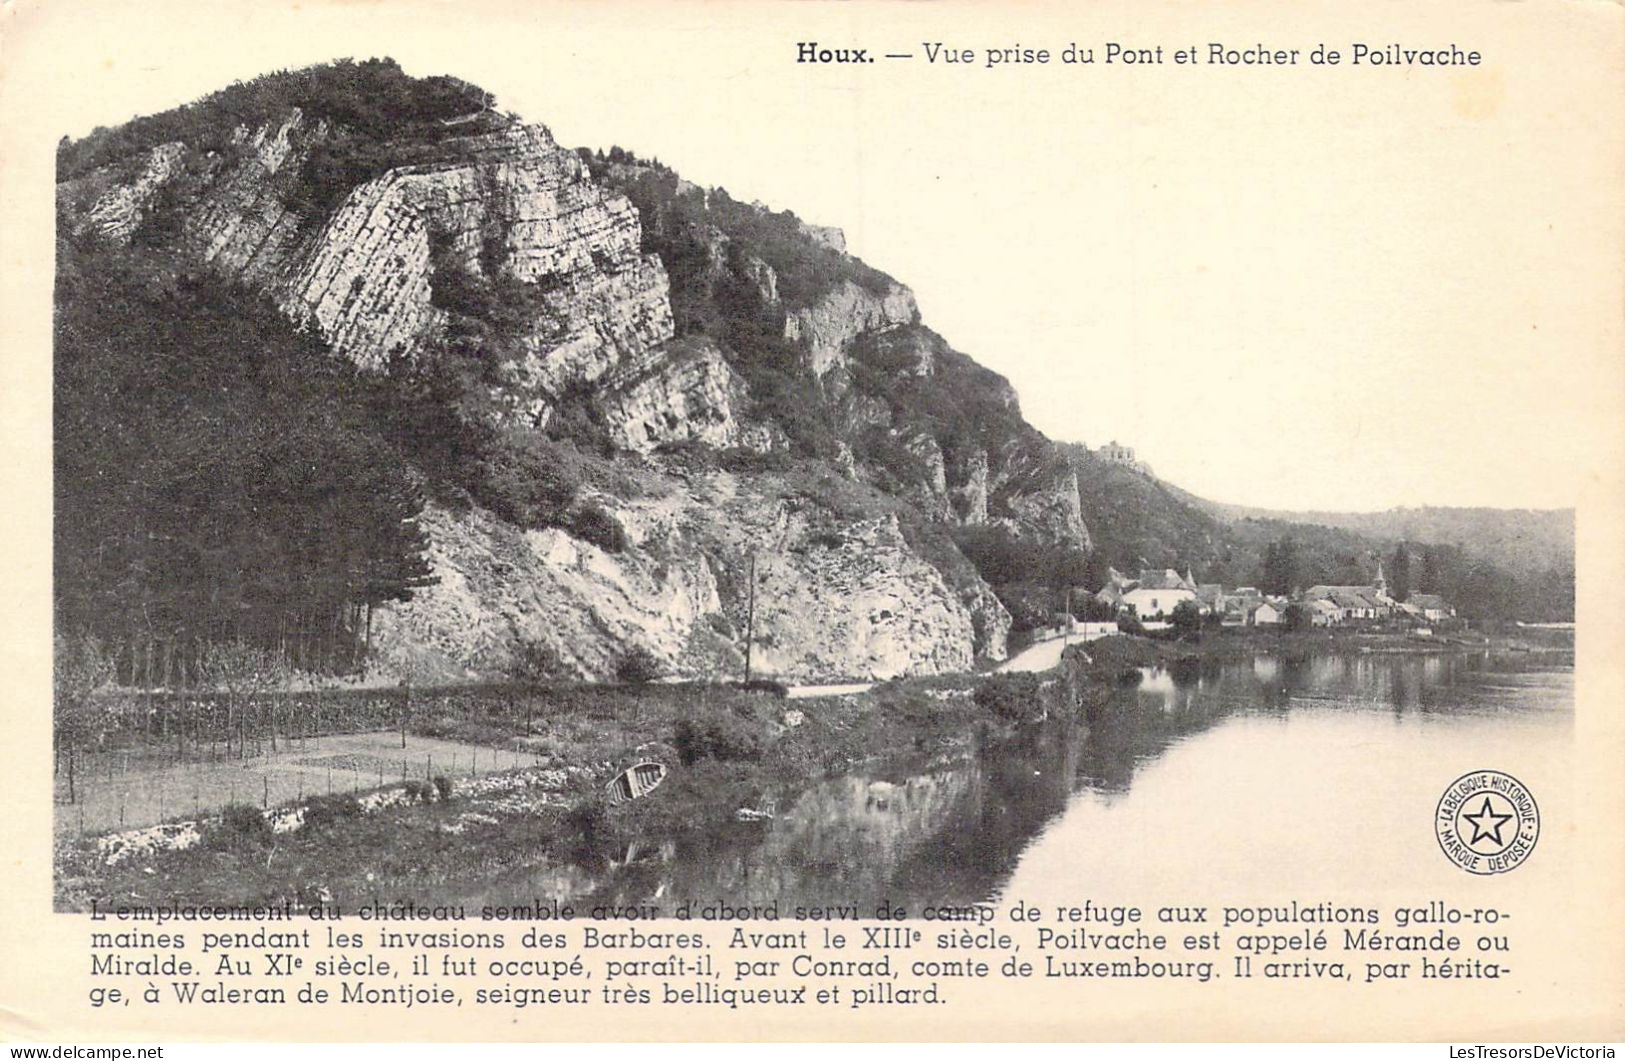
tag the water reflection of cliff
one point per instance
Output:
(838, 840)
(951, 832)
(844, 840)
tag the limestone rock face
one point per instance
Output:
(766, 280)
(930, 495)
(585, 314)
(833, 598)
(511, 204)
(1013, 477)
(861, 597)
(970, 490)
(828, 235)
(990, 620)
(926, 449)
(117, 213)
(1036, 495)
(503, 204)
(914, 350)
(502, 589)
(714, 243)
(720, 265)
(239, 218)
(686, 392)
(826, 330)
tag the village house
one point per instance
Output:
(1111, 594)
(1356, 603)
(1252, 610)
(1371, 603)
(1431, 606)
(1155, 594)
(1211, 596)
(1353, 603)
(1323, 613)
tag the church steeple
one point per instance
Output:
(1381, 583)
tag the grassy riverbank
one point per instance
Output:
(726, 748)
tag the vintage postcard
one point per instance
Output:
(813, 521)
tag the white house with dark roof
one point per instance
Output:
(1155, 594)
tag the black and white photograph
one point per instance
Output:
(831, 465)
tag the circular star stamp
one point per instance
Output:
(1487, 822)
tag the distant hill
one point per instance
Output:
(1494, 563)
(1516, 538)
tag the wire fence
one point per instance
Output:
(139, 758)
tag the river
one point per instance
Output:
(1266, 774)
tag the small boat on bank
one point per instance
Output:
(635, 782)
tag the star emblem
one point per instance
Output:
(1486, 823)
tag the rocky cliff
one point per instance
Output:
(827, 330)
(507, 204)
(834, 597)
(606, 305)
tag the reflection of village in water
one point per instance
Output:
(949, 832)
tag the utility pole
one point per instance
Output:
(750, 615)
(1066, 636)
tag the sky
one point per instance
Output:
(1286, 287)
